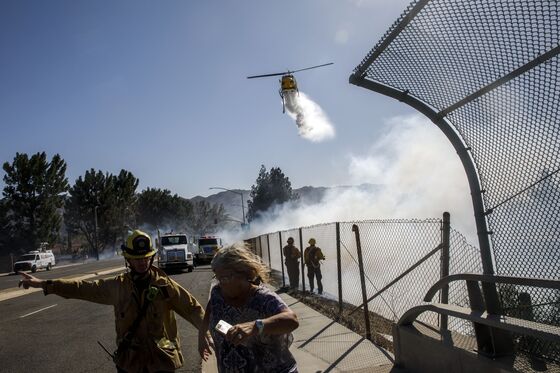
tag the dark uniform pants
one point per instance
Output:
(315, 272)
(293, 274)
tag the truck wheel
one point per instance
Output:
(190, 269)
(49, 267)
(33, 269)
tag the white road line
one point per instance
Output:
(18, 292)
(34, 312)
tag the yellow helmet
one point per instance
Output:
(312, 241)
(138, 246)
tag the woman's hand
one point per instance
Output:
(238, 333)
(205, 345)
(30, 281)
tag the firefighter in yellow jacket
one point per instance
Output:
(144, 301)
(312, 257)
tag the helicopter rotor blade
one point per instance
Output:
(314, 67)
(265, 75)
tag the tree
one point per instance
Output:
(109, 198)
(158, 208)
(33, 198)
(205, 217)
(271, 189)
(4, 227)
(126, 199)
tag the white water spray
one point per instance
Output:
(311, 120)
(416, 174)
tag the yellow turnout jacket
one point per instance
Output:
(156, 345)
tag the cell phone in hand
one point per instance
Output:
(222, 327)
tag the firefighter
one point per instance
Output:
(292, 254)
(145, 301)
(312, 257)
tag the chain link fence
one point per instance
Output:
(486, 72)
(389, 248)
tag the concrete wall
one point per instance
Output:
(418, 352)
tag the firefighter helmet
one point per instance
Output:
(138, 246)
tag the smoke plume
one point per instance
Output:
(312, 122)
(409, 172)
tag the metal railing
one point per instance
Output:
(400, 261)
(486, 73)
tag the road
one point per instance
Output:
(52, 334)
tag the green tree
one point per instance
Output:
(109, 198)
(5, 231)
(271, 189)
(126, 201)
(33, 194)
(158, 208)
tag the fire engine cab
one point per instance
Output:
(175, 252)
(207, 247)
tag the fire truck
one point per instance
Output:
(207, 246)
(175, 252)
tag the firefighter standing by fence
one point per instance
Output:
(144, 300)
(292, 255)
(312, 257)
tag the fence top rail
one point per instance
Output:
(376, 221)
(522, 281)
(525, 327)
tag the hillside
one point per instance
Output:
(307, 195)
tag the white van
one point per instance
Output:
(35, 260)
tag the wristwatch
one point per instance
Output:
(260, 326)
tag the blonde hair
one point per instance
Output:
(239, 258)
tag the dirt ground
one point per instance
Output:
(353, 321)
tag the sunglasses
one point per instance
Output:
(228, 278)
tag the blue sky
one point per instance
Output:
(159, 87)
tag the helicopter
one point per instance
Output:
(288, 81)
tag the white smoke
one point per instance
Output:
(412, 172)
(312, 122)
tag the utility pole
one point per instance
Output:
(243, 225)
(95, 232)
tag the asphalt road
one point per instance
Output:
(52, 334)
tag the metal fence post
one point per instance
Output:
(268, 249)
(282, 259)
(362, 281)
(302, 261)
(339, 268)
(444, 266)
